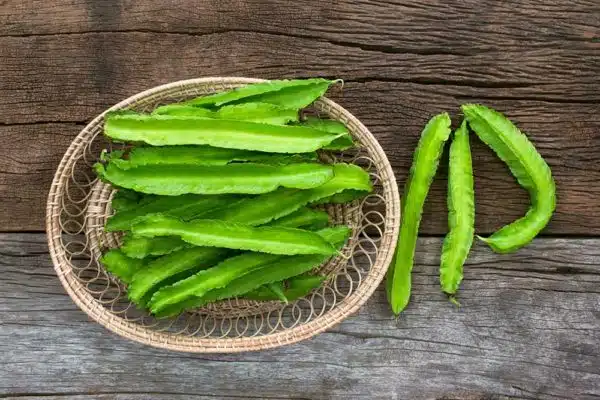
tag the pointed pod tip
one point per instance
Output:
(453, 300)
(483, 239)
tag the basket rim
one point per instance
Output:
(172, 341)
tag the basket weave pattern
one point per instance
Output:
(79, 204)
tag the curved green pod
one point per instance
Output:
(304, 218)
(238, 275)
(142, 247)
(293, 288)
(344, 142)
(200, 155)
(262, 209)
(263, 113)
(425, 163)
(461, 212)
(156, 272)
(125, 199)
(527, 166)
(294, 93)
(186, 206)
(243, 178)
(120, 265)
(217, 233)
(185, 262)
(349, 181)
(164, 130)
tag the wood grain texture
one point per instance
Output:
(551, 90)
(529, 328)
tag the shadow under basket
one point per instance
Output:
(79, 204)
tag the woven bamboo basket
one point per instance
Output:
(79, 204)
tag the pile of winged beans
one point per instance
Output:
(217, 196)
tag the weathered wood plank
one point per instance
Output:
(386, 25)
(529, 327)
(567, 135)
(538, 61)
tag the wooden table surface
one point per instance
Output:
(530, 322)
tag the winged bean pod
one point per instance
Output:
(217, 233)
(328, 125)
(142, 247)
(235, 276)
(183, 263)
(294, 288)
(425, 163)
(461, 212)
(264, 113)
(188, 260)
(528, 167)
(120, 265)
(349, 180)
(296, 93)
(125, 199)
(186, 206)
(248, 178)
(164, 130)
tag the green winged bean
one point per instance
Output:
(277, 290)
(186, 206)
(461, 212)
(528, 167)
(142, 247)
(349, 181)
(156, 272)
(305, 218)
(423, 169)
(262, 209)
(120, 265)
(200, 155)
(263, 113)
(217, 233)
(239, 275)
(296, 93)
(185, 262)
(125, 199)
(344, 142)
(293, 288)
(164, 130)
(243, 178)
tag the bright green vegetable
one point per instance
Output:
(264, 113)
(277, 290)
(217, 233)
(461, 212)
(120, 265)
(425, 163)
(262, 209)
(305, 218)
(163, 130)
(328, 125)
(528, 167)
(125, 199)
(294, 288)
(349, 180)
(200, 155)
(249, 178)
(236, 276)
(185, 261)
(186, 207)
(141, 247)
(297, 93)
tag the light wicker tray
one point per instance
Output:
(78, 205)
